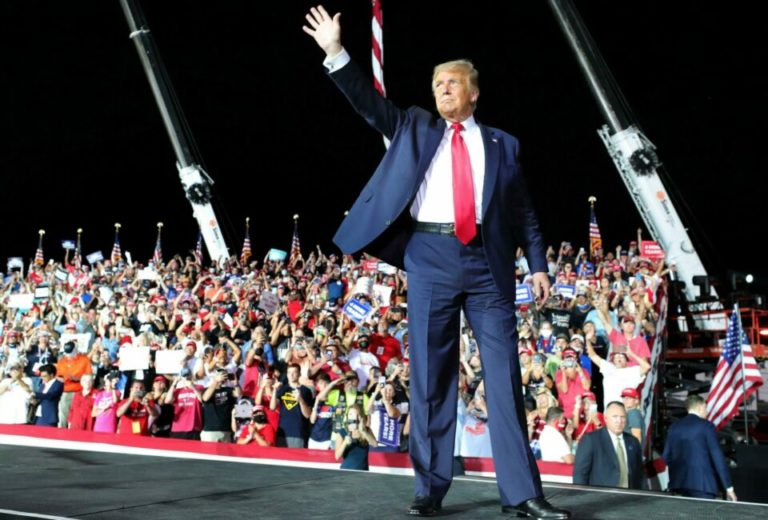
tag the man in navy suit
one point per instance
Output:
(449, 204)
(697, 466)
(48, 396)
(610, 456)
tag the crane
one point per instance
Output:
(194, 180)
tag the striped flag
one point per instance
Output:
(377, 50)
(736, 375)
(246, 252)
(295, 245)
(39, 258)
(77, 258)
(199, 248)
(117, 253)
(595, 240)
(157, 256)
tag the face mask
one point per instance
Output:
(546, 333)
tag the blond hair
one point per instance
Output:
(465, 67)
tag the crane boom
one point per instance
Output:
(195, 182)
(632, 153)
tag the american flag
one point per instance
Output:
(246, 253)
(199, 248)
(295, 245)
(731, 379)
(117, 254)
(377, 50)
(595, 240)
(39, 259)
(157, 256)
(77, 258)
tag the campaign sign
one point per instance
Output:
(169, 361)
(94, 257)
(357, 311)
(61, 274)
(269, 302)
(15, 262)
(370, 265)
(651, 249)
(524, 294)
(385, 268)
(42, 292)
(68, 244)
(566, 291)
(133, 358)
(276, 255)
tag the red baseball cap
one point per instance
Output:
(630, 392)
(589, 395)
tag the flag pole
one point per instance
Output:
(743, 373)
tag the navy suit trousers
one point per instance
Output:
(445, 276)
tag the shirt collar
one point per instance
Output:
(468, 124)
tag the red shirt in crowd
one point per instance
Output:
(266, 431)
(385, 348)
(187, 411)
(80, 412)
(135, 420)
(587, 427)
(637, 345)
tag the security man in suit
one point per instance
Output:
(697, 466)
(449, 204)
(610, 456)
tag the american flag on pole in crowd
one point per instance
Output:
(199, 248)
(736, 375)
(39, 259)
(377, 51)
(595, 240)
(77, 259)
(157, 256)
(117, 253)
(295, 245)
(246, 252)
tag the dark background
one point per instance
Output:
(83, 144)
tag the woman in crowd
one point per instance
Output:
(105, 405)
(352, 442)
(80, 413)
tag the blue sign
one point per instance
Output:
(276, 255)
(566, 291)
(357, 311)
(524, 294)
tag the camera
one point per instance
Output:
(382, 380)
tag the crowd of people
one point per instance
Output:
(270, 353)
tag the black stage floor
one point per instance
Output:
(59, 483)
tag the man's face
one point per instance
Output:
(293, 375)
(615, 419)
(453, 97)
(620, 360)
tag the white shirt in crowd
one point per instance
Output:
(553, 445)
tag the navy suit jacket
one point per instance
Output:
(597, 465)
(379, 221)
(694, 457)
(49, 403)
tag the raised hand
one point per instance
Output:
(326, 30)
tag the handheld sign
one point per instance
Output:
(357, 311)
(524, 294)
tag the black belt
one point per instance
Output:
(438, 228)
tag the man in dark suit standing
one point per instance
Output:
(610, 456)
(449, 204)
(48, 396)
(697, 466)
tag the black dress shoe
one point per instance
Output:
(425, 506)
(537, 508)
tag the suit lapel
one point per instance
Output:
(491, 145)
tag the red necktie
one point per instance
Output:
(463, 189)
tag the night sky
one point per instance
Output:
(83, 144)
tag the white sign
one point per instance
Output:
(82, 340)
(383, 294)
(42, 292)
(364, 285)
(68, 244)
(276, 255)
(105, 293)
(269, 302)
(61, 274)
(147, 274)
(94, 257)
(20, 301)
(169, 361)
(133, 358)
(15, 262)
(385, 268)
